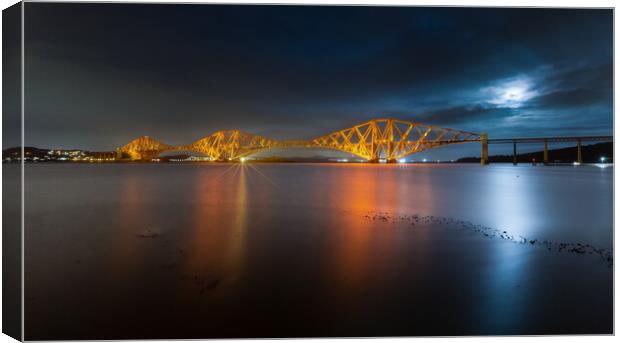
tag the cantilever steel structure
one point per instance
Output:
(388, 139)
(378, 139)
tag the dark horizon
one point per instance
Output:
(100, 75)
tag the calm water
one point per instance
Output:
(273, 250)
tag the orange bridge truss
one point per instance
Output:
(377, 139)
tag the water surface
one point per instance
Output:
(288, 250)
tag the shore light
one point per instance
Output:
(242, 159)
(402, 160)
(603, 159)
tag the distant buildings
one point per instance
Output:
(32, 154)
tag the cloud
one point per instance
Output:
(100, 74)
(571, 98)
(471, 115)
(510, 93)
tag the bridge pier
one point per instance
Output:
(546, 154)
(484, 160)
(376, 160)
(579, 160)
(514, 153)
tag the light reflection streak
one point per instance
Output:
(217, 248)
(289, 195)
(348, 263)
(356, 256)
(511, 202)
(264, 176)
(239, 228)
(133, 220)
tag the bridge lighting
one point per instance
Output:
(242, 159)
(392, 138)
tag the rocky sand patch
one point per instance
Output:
(492, 233)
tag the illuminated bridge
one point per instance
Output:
(378, 139)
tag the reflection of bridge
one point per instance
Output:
(378, 139)
(375, 140)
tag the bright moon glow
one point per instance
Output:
(511, 92)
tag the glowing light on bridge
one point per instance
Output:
(375, 140)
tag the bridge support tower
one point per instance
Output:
(546, 154)
(484, 138)
(514, 153)
(579, 159)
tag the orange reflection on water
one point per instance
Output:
(350, 255)
(218, 237)
(357, 254)
(133, 220)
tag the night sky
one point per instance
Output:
(99, 75)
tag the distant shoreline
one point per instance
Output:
(567, 164)
(594, 153)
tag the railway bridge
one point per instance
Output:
(384, 139)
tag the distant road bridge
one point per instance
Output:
(375, 140)
(545, 141)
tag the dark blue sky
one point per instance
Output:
(98, 75)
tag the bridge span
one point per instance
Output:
(374, 140)
(545, 141)
(378, 139)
